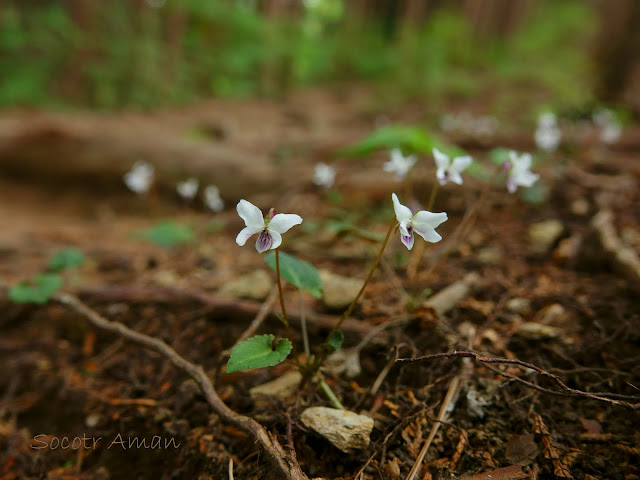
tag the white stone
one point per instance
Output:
(346, 430)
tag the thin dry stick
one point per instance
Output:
(460, 230)
(418, 254)
(265, 308)
(447, 405)
(276, 454)
(530, 366)
(381, 376)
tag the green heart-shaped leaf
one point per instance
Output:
(297, 272)
(66, 258)
(40, 292)
(258, 352)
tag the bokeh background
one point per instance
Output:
(145, 54)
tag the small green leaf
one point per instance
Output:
(168, 234)
(499, 155)
(297, 272)
(66, 258)
(44, 285)
(258, 352)
(411, 139)
(536, 194)
(336, 340)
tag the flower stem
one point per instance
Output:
(303, 324)
(284, 311)
(330, 395)
(432, 197)
(346, 314)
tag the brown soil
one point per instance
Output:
(61, 378)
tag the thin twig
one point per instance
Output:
(447, 406)
(279, 458)
(530, 366)
(418, 253)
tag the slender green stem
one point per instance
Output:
(330, 395)
(346, 314)
(303, 324)
(432, 197)
(284, 311)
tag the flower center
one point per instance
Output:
(264, 240)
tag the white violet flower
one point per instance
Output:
(520, 174)
(449, 170)
(324, 175)
(547, 120)
(399, 164)
(188, 188)
(423, 223)
(611, 132)
(269, 228)
(212, 198)
(611, 128)
(547, 135)
(140, 177)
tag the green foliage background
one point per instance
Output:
(129, 58)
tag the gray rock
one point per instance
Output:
(518, 305)
(543, 235)
(489, 255)
(346, 430)
(338, 291)
(280, 388)
(255, 286)
(537, 331)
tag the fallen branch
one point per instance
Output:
(279, 458)
(219, 305)
(624, 258)
(604, 397)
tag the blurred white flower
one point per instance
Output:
(324, 175)
(423, 223)
(188, 188)
(520, 174)
(547, 120)
(611, 132)
(270, 228)
(212, 198)
(547, 134)
(602, 117)
(449, 170)
(611, 128)
(140, 177)
(482, 126)
(399, 164)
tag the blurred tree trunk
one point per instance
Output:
(276, 78)
(617, 48)
(73, 82)
(496, 17)
(177, 22)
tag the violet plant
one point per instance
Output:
(267, 350)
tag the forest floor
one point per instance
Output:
(551, 290)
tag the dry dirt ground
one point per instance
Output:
(570, 305)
